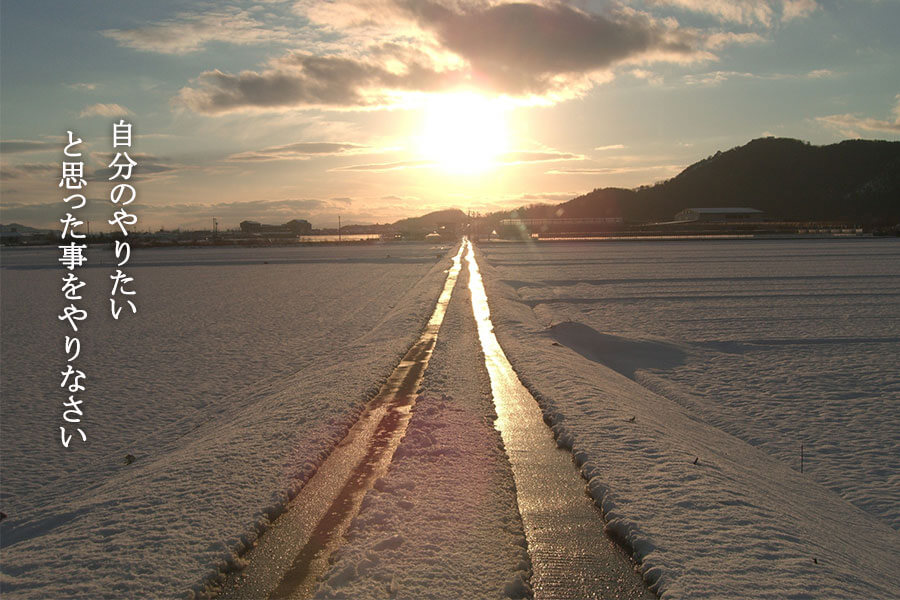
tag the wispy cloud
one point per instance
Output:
(507, 158)
(851, 125)
(148, 166)
(717, 77)
(720, 39)
(798, 9)
(104, 110)
(190, 32)
(672, 169)
(40, 170)
(746, 12)
(298, 151)
(520, 157)
(18, 146)
(610, 147)
(387, 166)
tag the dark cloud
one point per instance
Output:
(305, 80)
(520, 47)
(515, 49)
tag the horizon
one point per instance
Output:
(378, 111)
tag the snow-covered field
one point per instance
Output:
(242, 368)
(684, 375)
(687, 375)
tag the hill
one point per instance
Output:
(854, 181)
(431, 221)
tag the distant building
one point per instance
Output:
(251, 226)
(299, 226)
(719, 215)
(294, 227)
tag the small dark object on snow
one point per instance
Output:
(816, 560)
(2, 515)
(555, 343)
(129, 458)
(632, 419)
(696, 460)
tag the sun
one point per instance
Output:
(463, 132)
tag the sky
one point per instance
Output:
(375, 110)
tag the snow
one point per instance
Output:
(241, 370)
(685, 375)
(443, 522)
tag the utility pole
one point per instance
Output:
(215, 228)
(339, 229)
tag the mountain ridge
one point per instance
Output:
(851, 181)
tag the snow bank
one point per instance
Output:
(708, 514)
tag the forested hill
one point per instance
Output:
(855, 181)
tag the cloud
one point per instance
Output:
(82, 86)
(610, 147)
(520, 157)
(507, 158)
(519, 49)
(303, 80)
(821, 74)
(17, 146)
(28, 170)
(388, 166)
(298, 151)
(850, 125)
(648, 76)
(148, 166)
(720, 39)
(746, 12)
(798, 9)
(716, 77)
(554, 197)
(617, 170)
(104, 110)
(191, 32)
(735, 11)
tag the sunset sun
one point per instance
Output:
(463, 132)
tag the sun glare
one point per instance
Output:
(463, 132)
